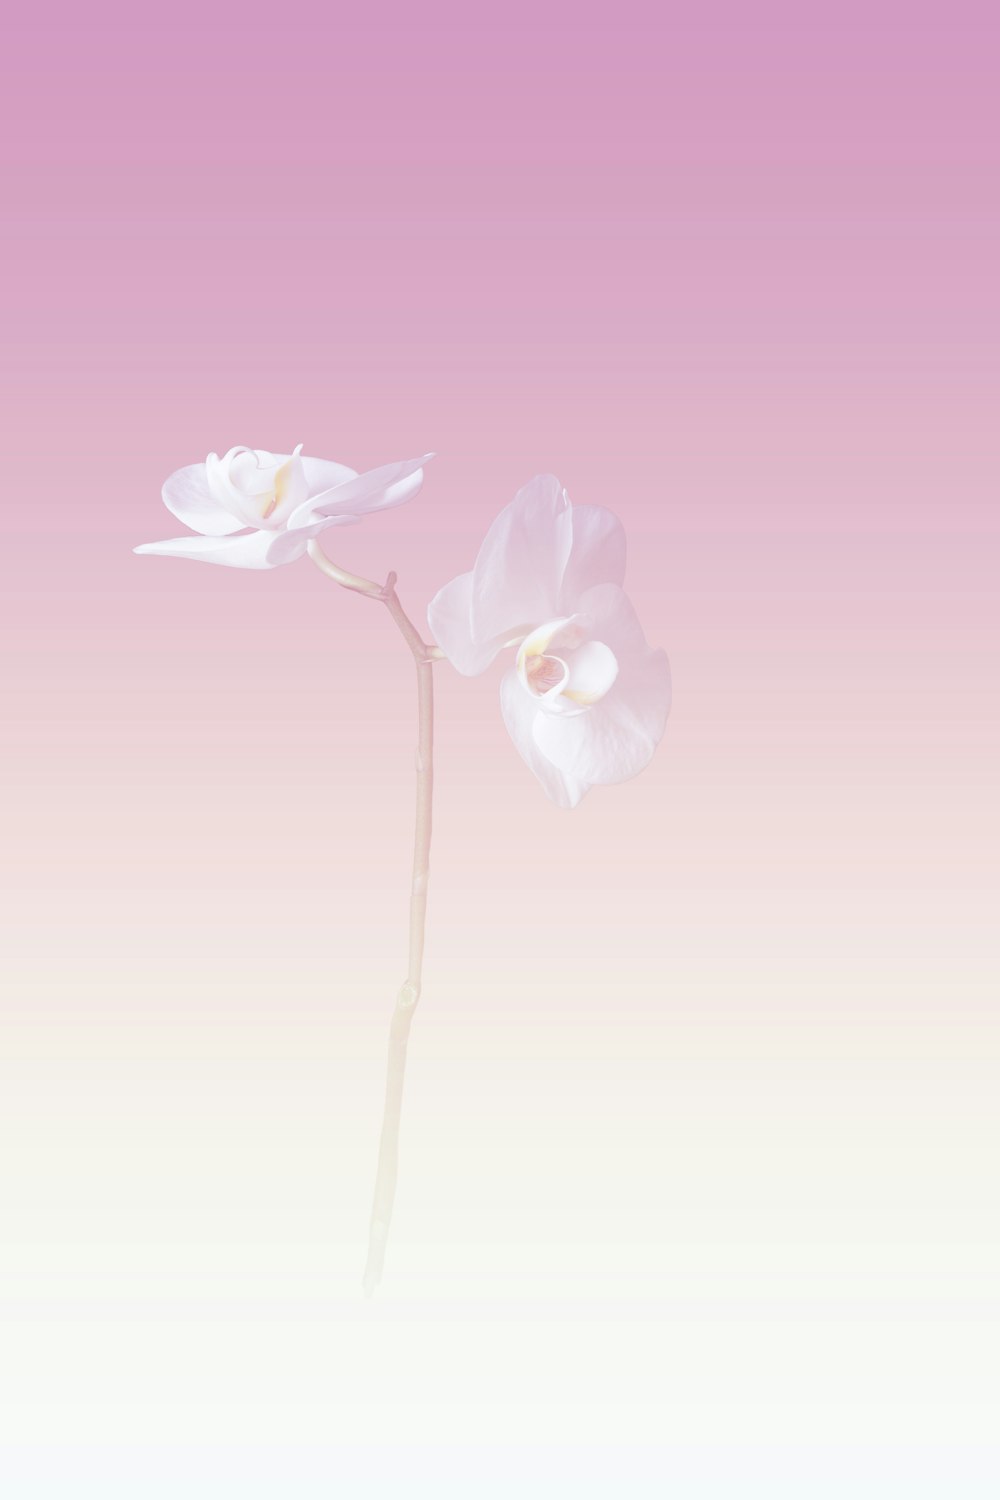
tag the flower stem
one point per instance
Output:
(424, 657)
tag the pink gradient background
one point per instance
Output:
(698, 1188)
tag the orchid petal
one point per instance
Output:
(597, 554)
(521, 561)
(288, 545)
(615, 739)
(593, 668)
(249, 551)
(187, 495)
(322, 474)
(520, 711)
(611, 617)
(449, 616)
(379, 489)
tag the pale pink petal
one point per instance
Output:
(288, 545)
(597, 554)
(403, 490)
(521, 562)
(593, 668)
(449, 618)
(611, 617)
(379, 489)
(187, 495)
(250, 551)
(520, 711)
(322, 474)
(615, 739)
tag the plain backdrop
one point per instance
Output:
(697, 1188)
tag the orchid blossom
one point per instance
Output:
(585, 699)
(285, 499)
(289, 502)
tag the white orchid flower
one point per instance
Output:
(285, 499)
(585, 699)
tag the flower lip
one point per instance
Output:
(544, 675)
(572, 678)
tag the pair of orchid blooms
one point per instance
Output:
(585, 700)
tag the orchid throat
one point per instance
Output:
(566, 671)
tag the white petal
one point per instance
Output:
(322, 474)
(593, 668)
(449, 616)
(286, 546)
(597, 554)
(238, 500)
(379, 489)
(521, 561)
(611, 618)
(250, 551)
(615, 739)
(403, 490)
(520, 711)
(186, 495)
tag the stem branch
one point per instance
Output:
(424, 656)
